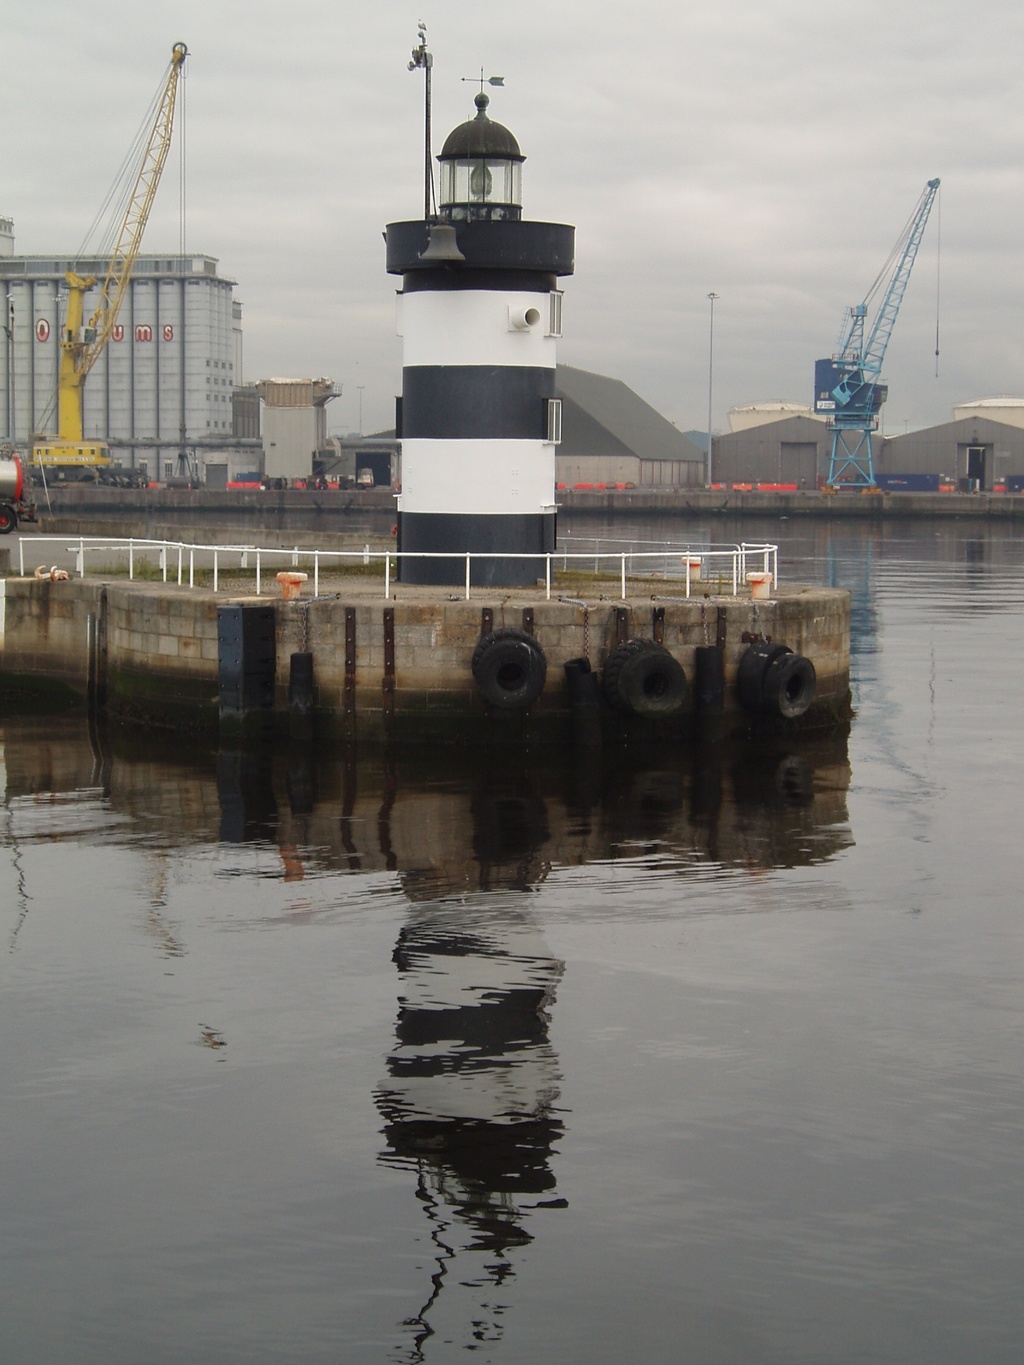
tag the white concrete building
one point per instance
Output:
(164, 382)
(294, 424)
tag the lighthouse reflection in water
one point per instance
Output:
(461, 866)
(470, 1096)
(470, 1099)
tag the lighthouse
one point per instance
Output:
(480, 314)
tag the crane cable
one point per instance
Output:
(110, 216)
(105, 223)
(887, 269)
(111, 212)
(938, 275)
(182, 126)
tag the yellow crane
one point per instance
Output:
(82, 345)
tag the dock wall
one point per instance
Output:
(383, 668)
(207, 512)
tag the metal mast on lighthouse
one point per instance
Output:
(480, 314)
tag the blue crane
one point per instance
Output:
(846, 385)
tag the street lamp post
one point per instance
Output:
(11, 404)
(711, 376)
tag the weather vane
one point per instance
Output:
(485, 80)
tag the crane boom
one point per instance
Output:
(81, 346)
(846, 385)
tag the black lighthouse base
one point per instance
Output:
(502, 539)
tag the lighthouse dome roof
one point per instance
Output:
(480, 136)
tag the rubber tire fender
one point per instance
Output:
(789, 686)
(8, 519)
(750, 674)
(642, 678)
(509, 668)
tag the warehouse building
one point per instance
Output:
(792, 452)
(981, 452)
(164, 383)
(973, 454)
(611, 436)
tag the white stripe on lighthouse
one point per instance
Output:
(488, 478)
(475, 327)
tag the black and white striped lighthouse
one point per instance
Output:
(480, 312)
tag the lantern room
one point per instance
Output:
(481, 171)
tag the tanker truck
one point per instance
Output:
(14, 506)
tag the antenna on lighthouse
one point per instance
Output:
(424, 59)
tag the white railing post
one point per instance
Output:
(547, 575)
(467, 576)
(80, 558)
(191, 566)
(162, 561)
(623, 578)
(257, 573)
(181, 551)
(316, 573)
(216, 566)
(387, 575)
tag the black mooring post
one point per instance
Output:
(709, 680)
(300, 698)
(300, 684)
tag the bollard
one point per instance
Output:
(291, 584)
(760, 586)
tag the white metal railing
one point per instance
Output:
(721, 567)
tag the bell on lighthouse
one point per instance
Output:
(481, 171)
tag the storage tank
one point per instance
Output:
(760, 414)
(1003, 408)
(13, 507)
(12, 477)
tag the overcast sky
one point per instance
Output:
(769, 150)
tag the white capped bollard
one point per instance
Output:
(291, 584)
(760, 586)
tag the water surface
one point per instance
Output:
(709, 1057)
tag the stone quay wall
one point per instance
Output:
(398, 667)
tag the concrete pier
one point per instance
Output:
(399, 668)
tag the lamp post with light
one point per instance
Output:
(712, 296)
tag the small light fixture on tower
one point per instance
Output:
(481, 171)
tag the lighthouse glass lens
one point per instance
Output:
(481, 182)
